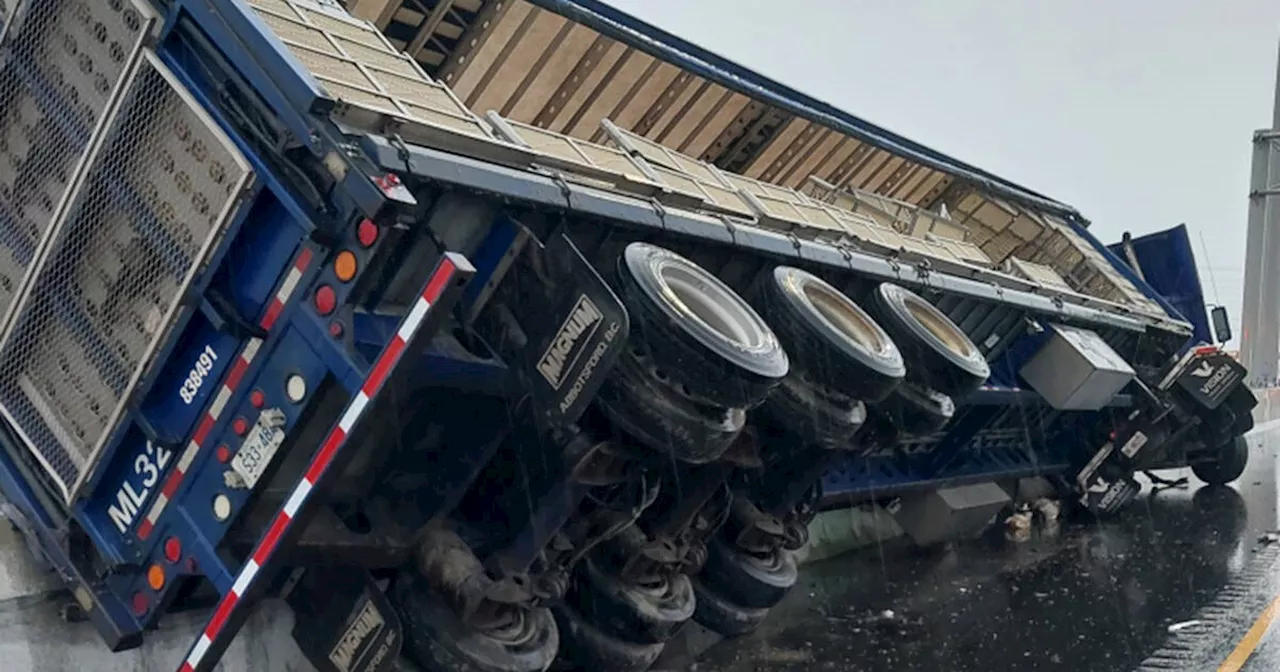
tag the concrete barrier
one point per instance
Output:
(34, 638)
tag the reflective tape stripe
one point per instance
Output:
(192, 449)
(282, 295)
(320, 462)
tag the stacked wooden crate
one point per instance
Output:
(1005, 231)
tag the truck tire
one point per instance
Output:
(588, 648)
(1242, 401)
(439, 641)
(917, 411)
(830, 339)
(652, 412)
(1234, 417)
(402, 664)
(697, 329)
(717, 614)
(812, 414)
(746, 579)
(637, 614)
(938, 353)
(1228, 466)
(1244, 425)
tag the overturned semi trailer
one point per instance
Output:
(600, 76)
(535, 343)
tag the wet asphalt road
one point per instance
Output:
(1090, 597)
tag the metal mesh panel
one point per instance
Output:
(155, 198)
(62, 59)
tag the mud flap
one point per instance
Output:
(1106, 483)
(343, 622)
(1210, 377)
(557, 323)
(1109, 497)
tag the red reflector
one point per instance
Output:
(257, 398)
(1206, 350)
(141, 604)
(240, 426)
(367, 232)
(172, 549)
(224, 454)
(325, 300)
(335, 329)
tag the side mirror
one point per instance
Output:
(1221, 323)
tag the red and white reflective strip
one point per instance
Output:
(202, 432)
(278, 301)
(290, 283)
(337, 437)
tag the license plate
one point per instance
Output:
(259, 447)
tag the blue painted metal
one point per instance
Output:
(109, 614)
(260, 57)
(275, 227)
(252, 260)
(999, 432)
(247, 269)
(155, 422)
(990, 456)
(230, 38)
(283, 355)
(490, 256)
(1124, 269)
(446, 360)
(1168, 263)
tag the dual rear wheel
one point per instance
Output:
(801, 354)
(699, 359)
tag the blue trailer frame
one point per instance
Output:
(253, 316)
(1168, 264)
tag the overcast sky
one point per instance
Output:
(1138, 113)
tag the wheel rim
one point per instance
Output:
(658, 591)
(771, 562)
(512, 626)
(712, 305)
(845, 317)
(937, 324)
